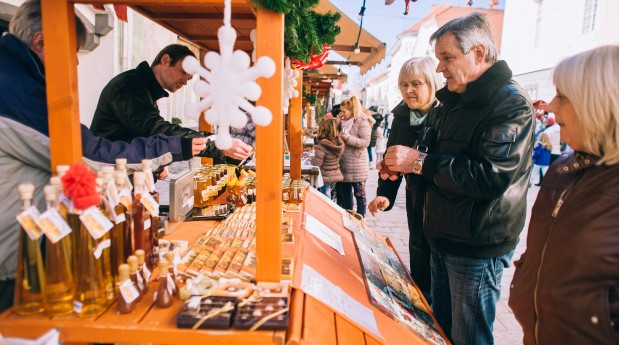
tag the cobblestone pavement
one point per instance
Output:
(393, 224)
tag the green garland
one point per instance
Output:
(305, 31)
(310, 98)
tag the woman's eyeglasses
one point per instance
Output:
(415, 85)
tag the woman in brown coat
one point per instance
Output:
(355, 132)
(565, 287)
(327, 155)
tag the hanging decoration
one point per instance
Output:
(316, 60)
(290, 83)
(229, 83)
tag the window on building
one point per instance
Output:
(589, 16)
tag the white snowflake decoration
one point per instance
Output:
(289, 84)
(229, 82)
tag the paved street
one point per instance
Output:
(393, 224)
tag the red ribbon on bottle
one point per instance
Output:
(80, 186)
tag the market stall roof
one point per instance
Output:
(372, 50)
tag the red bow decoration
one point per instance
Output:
(80, 186)
(121, 11)
(316, 60)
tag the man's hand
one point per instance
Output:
(239, 150)
(163, 174)
(400, 158)
(385, 172)
(198, 145)
(379, 203)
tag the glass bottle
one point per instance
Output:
(141, 272)
(124, 207)
(73, 219)
(200, 192)
(154, 230)
(164, 298)
(172, 277)
(140, 217)
(137, 280)
(106, 253)
(123, 307)
(29, 283)
(59, 284)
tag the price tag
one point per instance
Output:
(53, 225)
(194, 302)
(124, 197)
(96, 222)
(112, 193)
(102, 245)
(140, 280)
(146, 272)
(150, 204)
(147, 224)
(129, 291)
(171, 286)
(27, 219)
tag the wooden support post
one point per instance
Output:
(269, 150)
(308, 115)
(61, 82)
(294, 125)
(202, 124)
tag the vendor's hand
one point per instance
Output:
(239, 150)
(163, 174)
(198, 144)
(385, 172)
(400, 158)
(379, 203)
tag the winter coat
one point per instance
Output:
(478, 170)
(541, 156)
(354, 160)
(24, 152)
(327, 156)
(565, 286)
(127, 109)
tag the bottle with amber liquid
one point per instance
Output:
(164, 298)
(117, 216)
(172, 278)
(140, 217)
(73, 219)
(59, 282)
(29, 283)
(137, 280)
(124, 207)
(128, 296)
(106, 252)
(154, 230)
(145, 275)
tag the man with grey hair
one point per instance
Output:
(477, 171)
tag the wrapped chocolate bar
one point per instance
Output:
(213, 312)
(263, 313)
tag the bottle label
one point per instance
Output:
(170, 285)
(146, 272)
(64, 205)
(110, 209)
(194, 302)
(124, 197)
(100, 247)
(128, 184)
(96, 222)
(147, 224)
(128, 291)
(150, 204)
(53, 225)
(27, 219)
(77, 307)
(140, 281)
(112, 193)
(150, 181)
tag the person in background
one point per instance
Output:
(476, 171)
(127, 106)
(355, 133)
(25, 153)
(541, 159)
(247, 134)
(374, 124)
(380, 148)
(417, 83)
(565, 287)
(327, 155)
(553, 131)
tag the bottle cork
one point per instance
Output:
(50, 193)
(132, 261)
(123, 272)
(26, 191)
(140, 255)
(62, 170)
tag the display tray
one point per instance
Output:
(214, 212)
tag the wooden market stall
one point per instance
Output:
(313, 319)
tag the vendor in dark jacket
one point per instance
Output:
(565, 286)
(127, 107)
(418, 83)
(476, 173)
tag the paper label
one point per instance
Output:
(53, 225)
(170, 285)
(128, 291)
(150, 182)
(140, 280)
(120, 217)
(77, 306)
(64, 205)
(150, 204)
(102, 245)
(324, 233)
(110, 209)
(146, 272)
(27, 219)
(124, 197)
(147, 224)
(96, 222)
(112, 193)
(128, 184)
(194, 302)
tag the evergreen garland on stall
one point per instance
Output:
(305, 31)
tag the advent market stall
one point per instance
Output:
(317, 275)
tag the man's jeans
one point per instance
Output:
(465, 292)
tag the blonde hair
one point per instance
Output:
(545, 141)
(353, 105)
(327, 129)
(589, 80)
(424, 66)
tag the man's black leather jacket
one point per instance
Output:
(479, 167)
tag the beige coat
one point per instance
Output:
(354, 160)
(327, 157)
